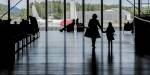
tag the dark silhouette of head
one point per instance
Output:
(77, 19)
(110, 24)
(73, 20)
(94, 16)
(22, 19)
(15, 22)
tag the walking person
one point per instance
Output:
(110, 36)
(92, 30)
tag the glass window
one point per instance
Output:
(4, 9)
(55, 13)
(37, 10)
(18, 10)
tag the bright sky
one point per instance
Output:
(23, 3)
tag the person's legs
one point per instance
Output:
(108, 46)
(110, 55)
(93, 42)
(111, 46)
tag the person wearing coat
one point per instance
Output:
(92, 30)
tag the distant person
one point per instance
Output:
(80, 26)
(92, 30)
(127, 26)
(69, 27)
(110, 36)
(34, 28)
(77, 21)
(132, 27)
(15, 22)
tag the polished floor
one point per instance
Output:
(59, 53)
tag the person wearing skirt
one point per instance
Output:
(92, 30)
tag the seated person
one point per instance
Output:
(128, 27)
(77, 21)
(80, 26)
(69, 27)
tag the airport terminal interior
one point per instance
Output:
(74, 37)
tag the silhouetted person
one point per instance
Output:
(69, 27)
(80, 26)
(34, 25)
(129, 27)
(92, 30)
(15, 22)
(110, 36)
(7, 53)
(77, 21)
(132, 27)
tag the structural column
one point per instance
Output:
(102, 21)
(148, 7)
(139, 7)
(27, 9)
(65, 14)
(8, 9)
(102, 13)
(120, 15)
(134, 7)
(46, 15)
(120, 35)
(83, 12)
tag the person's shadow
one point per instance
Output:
(110, 63)
(110, 57)
(93, 63)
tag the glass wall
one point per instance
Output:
(128, 11)
(3, 9)
(55, 13)
(91, 8)
(145, 7)
(37, 10)
(111, 12)
(18, 10)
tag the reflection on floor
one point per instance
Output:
(57, 53)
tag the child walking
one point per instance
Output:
(110, 36)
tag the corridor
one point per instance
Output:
(57, 53)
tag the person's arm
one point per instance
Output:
(100, 27)
(113, 30)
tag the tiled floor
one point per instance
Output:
(57, 53)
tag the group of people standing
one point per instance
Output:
(93, 33)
